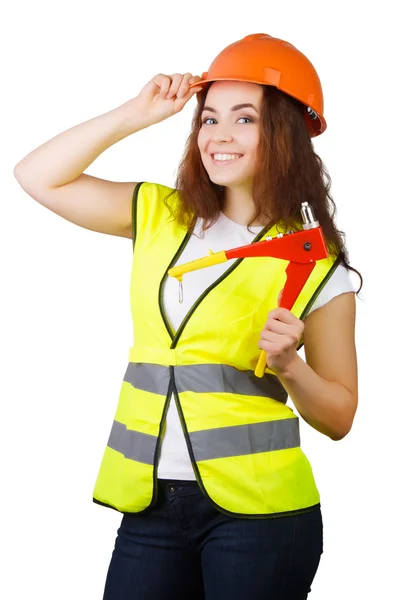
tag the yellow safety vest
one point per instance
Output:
(243, 440)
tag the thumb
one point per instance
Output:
(280, 297)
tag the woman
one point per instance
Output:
(204, 459)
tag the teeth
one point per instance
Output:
(226, 156)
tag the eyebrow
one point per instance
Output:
(236, 107)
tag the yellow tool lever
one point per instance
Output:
(206, 261)
(261, 365)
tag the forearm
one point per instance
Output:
(66, 156)
(323, 404)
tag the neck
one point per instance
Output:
(239, 206)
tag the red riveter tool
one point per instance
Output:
(301, 248)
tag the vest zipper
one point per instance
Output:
(198, 476)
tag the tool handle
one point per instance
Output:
(200, 263)
(296, 277)
(261, 365)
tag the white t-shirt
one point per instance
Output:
(174, 460)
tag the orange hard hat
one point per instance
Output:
(261, 58)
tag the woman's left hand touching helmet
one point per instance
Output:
(280, 338)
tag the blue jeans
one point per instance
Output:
(185, 549)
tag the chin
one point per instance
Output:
(227, 182)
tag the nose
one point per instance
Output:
(221, 135)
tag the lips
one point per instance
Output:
(212, 154)
(227, 161)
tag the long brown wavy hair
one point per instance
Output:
(288, 173)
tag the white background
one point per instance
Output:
(65, 319)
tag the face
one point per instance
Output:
(229, 136)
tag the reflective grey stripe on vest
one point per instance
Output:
(223, 442)
(133, 444)
(204, 379)
(245, 439)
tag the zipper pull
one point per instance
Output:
(180, 290)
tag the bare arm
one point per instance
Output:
(324, 389)
(63, 158)
(53, 175)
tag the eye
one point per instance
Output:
(204, 121)
(207, 119)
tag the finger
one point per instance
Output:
(174, 87)
(280, 297)
(283, 314)
(293, 330)
(194, 79)
(193, 91)
(180, 101)
(184, 86)
(163, 82)
(192, 83)
(278, 327)
(270, 336)
(269, 347)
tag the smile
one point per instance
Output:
(225, 159)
